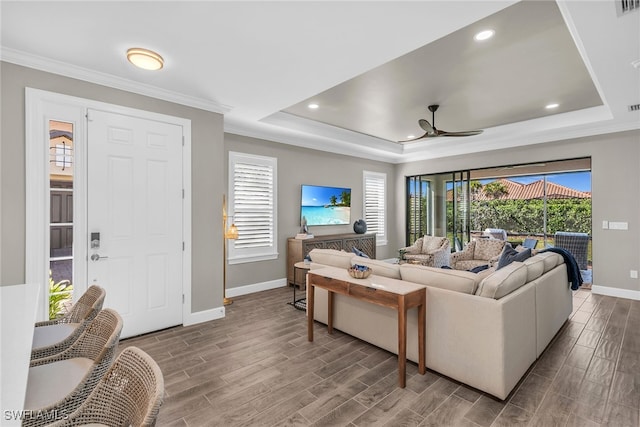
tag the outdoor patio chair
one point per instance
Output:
(496, 233)
(130, 393)
(59, 384)
(576, 243)
(432, 251)
(55, 336)
(530, 243)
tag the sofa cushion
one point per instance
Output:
(379, 268)
(453, 280)
(503, 281)
(551, 260)
(509, 255)
(535, 267)
(332, 257)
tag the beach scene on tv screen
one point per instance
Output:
(325, 205)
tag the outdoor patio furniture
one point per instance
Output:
(530, 243)
(432, 251)
(130, 393)
(58, 384)
(576, 243)
(496, 233)
(477, 253)
(54, 336)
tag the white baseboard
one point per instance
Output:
(219, 312)
(203, 316)
(256, 287)
(615, 292)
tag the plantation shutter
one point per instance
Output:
(253, 201)
(375, 205)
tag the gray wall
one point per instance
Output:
(615, 163)
(207, 174)
(298, 166)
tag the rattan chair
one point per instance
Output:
(576, 243)
(59, 384)
(130, 393)
(55, 336)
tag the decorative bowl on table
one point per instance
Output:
(359, 271)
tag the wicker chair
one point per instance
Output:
(55, 336)
(58, 384)
(130, 393)
(576, 243)
(432, 251)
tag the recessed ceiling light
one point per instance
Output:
(551, 106)
(484, 35)
(145, 58)
(313, 106)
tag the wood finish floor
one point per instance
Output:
(256, 367)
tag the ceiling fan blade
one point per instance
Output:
(426, 126)
(426, 135)
(463, 133)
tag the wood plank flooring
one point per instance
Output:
(255, 367)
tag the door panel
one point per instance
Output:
(135, 203)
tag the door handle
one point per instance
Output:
(96, 257)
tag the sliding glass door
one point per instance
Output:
(439, 205)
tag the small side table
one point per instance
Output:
(301, 303)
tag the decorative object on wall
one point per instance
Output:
(230, 233)
(360, 226)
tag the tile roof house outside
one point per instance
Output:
(534, 190)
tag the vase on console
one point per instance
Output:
(360, 226)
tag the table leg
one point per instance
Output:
(402, 342)
(330, 311)
(422, 315)
(310, 298)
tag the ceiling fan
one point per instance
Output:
(432, 132)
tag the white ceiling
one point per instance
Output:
(260, 62)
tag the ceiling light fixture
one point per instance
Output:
(551, 106)
(313, 106)
(410, 136)
(145, 59)
(484, 35)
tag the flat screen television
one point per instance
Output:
(322, 205)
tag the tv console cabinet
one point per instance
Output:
(297, 249)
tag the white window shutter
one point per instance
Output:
(375, 184)
(252, 182)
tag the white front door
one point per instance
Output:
(134, 218)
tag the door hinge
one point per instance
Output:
(183, 246)
(183, 193)
(183, 298)
(183, 140)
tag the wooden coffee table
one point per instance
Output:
(383, 291)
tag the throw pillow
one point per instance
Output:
(509, 254)
(359, 252)
(479, 268)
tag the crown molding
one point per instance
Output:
(64, 69)
(328, 143)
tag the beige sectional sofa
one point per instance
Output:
(484, 330)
